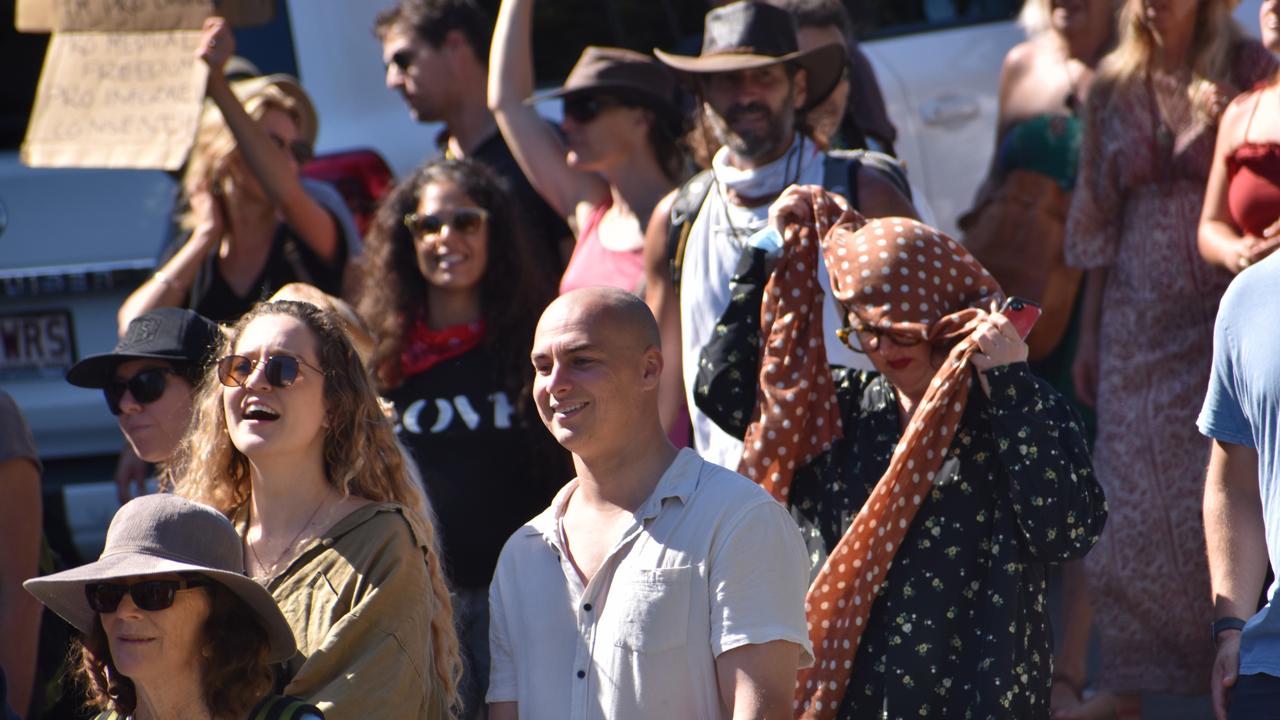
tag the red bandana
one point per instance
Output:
(425, 348)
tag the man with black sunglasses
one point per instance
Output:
(150, 377)
(436, 53)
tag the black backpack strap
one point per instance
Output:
(840, 172)
(684, 209)
(282, 707)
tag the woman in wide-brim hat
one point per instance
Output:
(172, 627)
(247, 226)
(618, 156)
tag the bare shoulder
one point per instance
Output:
(880, 197)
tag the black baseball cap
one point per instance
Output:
(180, 336)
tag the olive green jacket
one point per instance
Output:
(360, 604)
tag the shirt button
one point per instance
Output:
(582, 674)
(587, 607)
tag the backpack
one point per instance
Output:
(839, 175)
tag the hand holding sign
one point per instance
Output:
(217, 44)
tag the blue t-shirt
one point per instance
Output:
(1242, 407)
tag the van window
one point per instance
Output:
(21, 56)
(882, 18)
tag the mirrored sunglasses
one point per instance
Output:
(280, 370)
(464, 220)
(150, 595)
(145, 387)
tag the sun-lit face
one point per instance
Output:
(753, 111)
(267, 422)
(1169, 16)
(152, 646)
(454, 253)
(1269, 23)
(909, 368)
(590, 378)
(154, 429)
(418, 71)
(602, 133)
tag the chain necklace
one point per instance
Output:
(268, 568)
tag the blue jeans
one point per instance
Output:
(1255, 697)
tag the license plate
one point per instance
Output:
(39, 342)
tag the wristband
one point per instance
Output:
(1223, 624)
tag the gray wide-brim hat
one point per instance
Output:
(746, 35)
(164, 533)
(617, 70)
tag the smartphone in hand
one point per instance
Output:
(1022, 313)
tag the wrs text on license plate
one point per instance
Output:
(36, 341)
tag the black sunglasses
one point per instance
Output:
(402, 60)
(150, 595)
(145, 387)
(583, 109)
(299, 149)
(465, 220)
(281, 370)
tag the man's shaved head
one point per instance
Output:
(597, 365)
(621, 311)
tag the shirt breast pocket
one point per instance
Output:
(653, 612)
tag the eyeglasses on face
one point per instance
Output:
(299, 149)
(465, 220)
(870, 336)
(583, 109)
(402, 59)
(280, 370)
(145, 387)
(149, 595)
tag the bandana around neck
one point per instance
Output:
(425, 348)
(899, 275)
(766, 180)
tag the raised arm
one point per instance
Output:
(533, 142)
(274, 168)
(172, 282)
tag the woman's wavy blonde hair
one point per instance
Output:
(1212, 52)
(214, 144)
(361, 457)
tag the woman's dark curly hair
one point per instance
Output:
(513, 292)
(236, 674)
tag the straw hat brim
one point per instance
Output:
(63, 593)
(823, 66)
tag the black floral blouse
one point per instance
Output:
(960, 627)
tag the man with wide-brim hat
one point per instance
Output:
(755, 86)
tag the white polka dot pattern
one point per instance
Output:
(897, 274)
(796, 417)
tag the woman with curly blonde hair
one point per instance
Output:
(1146, 333)
(292, 446)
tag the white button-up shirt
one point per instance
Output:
(709, 564)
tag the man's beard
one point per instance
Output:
(766, 141)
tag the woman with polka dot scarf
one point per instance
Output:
(937, 502)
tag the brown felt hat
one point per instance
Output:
(164, 533)
(745, 35)
(617, 70)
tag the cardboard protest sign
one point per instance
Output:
(134, 15)
(121, 86)
(117, 100)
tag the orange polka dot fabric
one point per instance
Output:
(900, 275)
(796, 417)
(904, 276)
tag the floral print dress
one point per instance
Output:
(960, 627)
